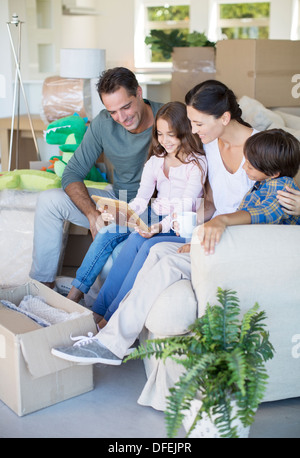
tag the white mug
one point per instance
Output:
(187, 221)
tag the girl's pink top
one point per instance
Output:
(181, 191)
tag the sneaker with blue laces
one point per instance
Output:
(87, 350)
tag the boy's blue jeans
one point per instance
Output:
(125, 268)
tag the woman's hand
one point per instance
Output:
(186, 248)
(154, 229)
(290, 201)
(210, 234)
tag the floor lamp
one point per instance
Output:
(18, 84)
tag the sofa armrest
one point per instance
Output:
(262, 264)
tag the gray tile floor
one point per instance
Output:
(111, 411)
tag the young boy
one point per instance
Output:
(272, 159)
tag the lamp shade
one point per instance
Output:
(81, 63)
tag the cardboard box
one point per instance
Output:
(260, 69)
(191, 66)
(31, 378)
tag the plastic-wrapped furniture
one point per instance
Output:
(17, 208)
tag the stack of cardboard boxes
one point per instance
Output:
(266, 70)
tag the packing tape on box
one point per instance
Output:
(63, 97)
(185, 66)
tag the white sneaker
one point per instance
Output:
(63, 285)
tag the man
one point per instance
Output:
(123, 133)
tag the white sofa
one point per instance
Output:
(260, 263)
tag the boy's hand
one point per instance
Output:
(290, 201)
(210, 234)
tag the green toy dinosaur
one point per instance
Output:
(68, 133)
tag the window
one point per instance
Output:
(153, 15)
(244, 20)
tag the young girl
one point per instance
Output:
(176, 169)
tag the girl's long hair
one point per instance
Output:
(191, 148)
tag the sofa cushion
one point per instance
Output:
(174, 311)
(257, 115)
(261, 118)
(292, 121)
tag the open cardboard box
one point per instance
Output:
(31, 378)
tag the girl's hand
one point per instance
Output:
(210, 234)
(103, 218)
(186, 248)
(107, 217)
(290, 201)
(154, 229)
(175, 225)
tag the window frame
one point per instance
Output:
(142, 52)
(240, 22)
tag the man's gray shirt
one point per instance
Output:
(126, 151)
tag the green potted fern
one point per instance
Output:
(165, 42)
(223, 358)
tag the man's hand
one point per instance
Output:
(96, 223)
(78, 193)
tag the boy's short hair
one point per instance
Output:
(112, 79)
(273, 151)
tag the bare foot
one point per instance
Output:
(75, 294)
(50, 284)
(102, 323)
(97, 317)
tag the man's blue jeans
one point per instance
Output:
(99, 251)
(125, 268)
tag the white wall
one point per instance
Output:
(116, 31)
(113, 30)
(281, 17)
